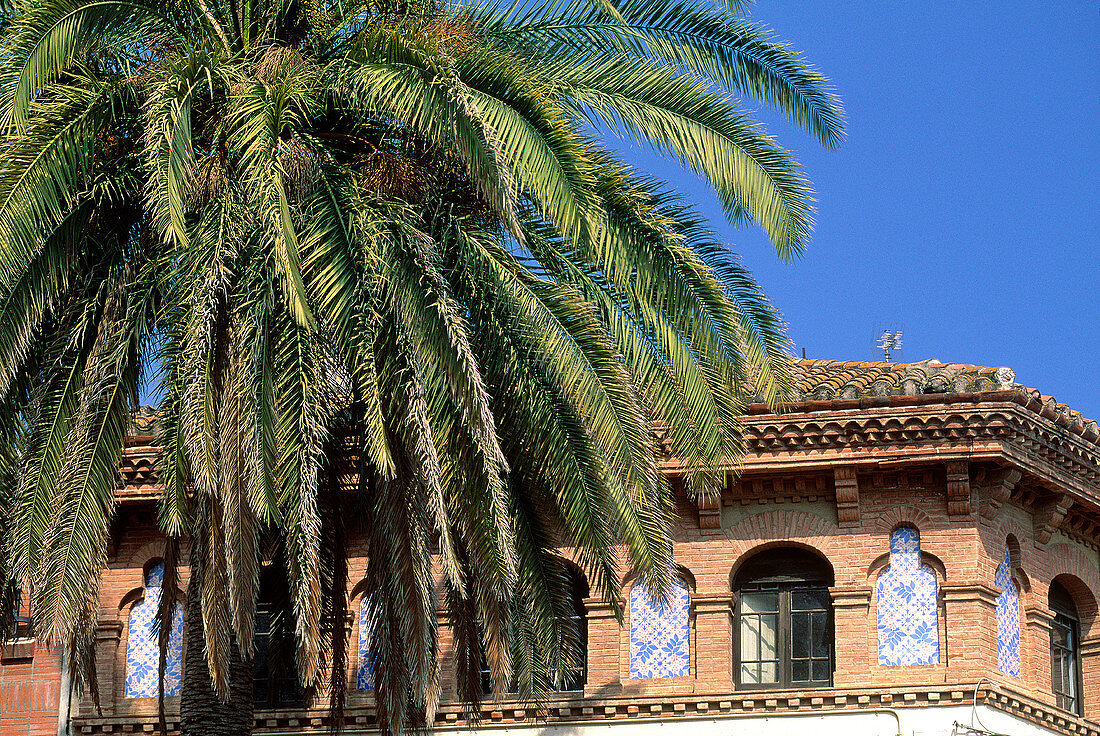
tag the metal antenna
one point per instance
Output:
(890, 340)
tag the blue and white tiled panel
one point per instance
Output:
(143, 648)
(908, 620)
(364, 678)
(659, 634)
(1008, 620)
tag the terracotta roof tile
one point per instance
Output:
(835, 379)
(824, 380)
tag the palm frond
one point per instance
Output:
(52, 35)
(743, 57)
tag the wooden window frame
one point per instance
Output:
(23, 619)
(1067, 696)
(784, 642)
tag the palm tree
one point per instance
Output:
(382, 269)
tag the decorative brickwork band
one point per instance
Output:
(908, 621)
(143, 646)
(1008, 619)
(659, 633)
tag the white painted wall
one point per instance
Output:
(926, 721)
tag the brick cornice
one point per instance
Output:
(599, 608)
(1038, 616)
(958, 432)
(898, 431)
(22, 649)
(1007, 427)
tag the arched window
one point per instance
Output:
(659, 633)
(143, 644)
(908, 619)
(570, 676)
(1008, 619)
(784, 620)
(1065, 649)
(275, 674)
(24, 619)
(574, 674)
(364, 678)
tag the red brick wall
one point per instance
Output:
(30, 685)
(963, 549)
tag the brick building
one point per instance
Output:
(908, 549)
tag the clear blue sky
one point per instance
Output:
(964, 205)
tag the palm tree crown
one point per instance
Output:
(382, 268)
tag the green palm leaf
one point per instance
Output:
(387, 278)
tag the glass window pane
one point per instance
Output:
(799, 612)
(821, 635)
(769, 637)
(800, 635)
(758, 637)
(800, 670)
(750, 638)
(810, 600)
(761, 601)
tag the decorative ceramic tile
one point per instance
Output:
(365, 678)
(1008, 620)
(659, 634)
(143, 648)
(908, 622)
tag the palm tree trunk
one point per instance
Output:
(202, 713)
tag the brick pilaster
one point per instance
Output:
(110, 666)
(855, 635)
(1090, 677)
(713, 665)
(604, 648)
(1035, 656)
(971, 613)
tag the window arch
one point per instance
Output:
(143, 645)
(908, 617)
(1065, 649)
(784, 634)
(1008, 618)
(659, 633)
